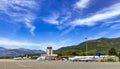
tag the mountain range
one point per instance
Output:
(101, 45)
(16, 52)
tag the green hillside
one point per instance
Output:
(102, 45)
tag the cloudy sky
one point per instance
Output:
(35, 24)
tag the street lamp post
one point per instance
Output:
(86, 45)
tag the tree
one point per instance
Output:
(119, 55)
(82, 54)
(59, 54)
(74, 54)
(112, 51)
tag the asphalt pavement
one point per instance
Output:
(33, 64)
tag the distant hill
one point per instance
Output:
(101, 45)
(16, 52)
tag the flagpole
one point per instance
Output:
(86, 45)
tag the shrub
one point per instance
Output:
(110, 60)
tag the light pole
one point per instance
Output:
(86, 45)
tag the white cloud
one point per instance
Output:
(67, 31)
(29, 25)
(58, 44)
(116, 26)
(19, 11)
(66, 17)
(82, 4)
(111, 22)
(108, 23)
(106, 13)
(52, 19)
(10, 43)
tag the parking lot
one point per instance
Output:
(33, 64)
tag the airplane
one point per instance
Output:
(41, 58)
(84, 58)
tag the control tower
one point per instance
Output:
(49, 51)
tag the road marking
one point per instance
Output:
(21, 65)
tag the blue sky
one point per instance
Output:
(36, 24)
